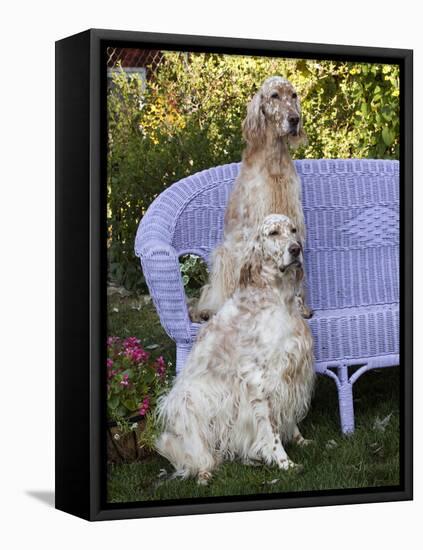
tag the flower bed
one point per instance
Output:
(135, 380)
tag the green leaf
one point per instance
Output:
(130, 404)
(121, 411)
(387, 136)
(114, 401)
(127, 371)
(149, 376)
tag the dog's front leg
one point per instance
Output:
(305, 311)
(298, 438)
(268, 444)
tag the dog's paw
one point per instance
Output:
(199, 316)
(301, 442)
(306, 312)
(205, 315)
(251, 462)
(305, 442)
(204, 478)
(287, 464)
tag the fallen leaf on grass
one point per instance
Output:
(120, 290)
(152, 346)
(376, 448)
(381, 425)
(331, 444)
(271, 482)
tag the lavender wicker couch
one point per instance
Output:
(352, 253)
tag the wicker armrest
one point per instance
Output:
(160, 265)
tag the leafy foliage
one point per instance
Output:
(194, 272)
(188, 118)
(134, 380)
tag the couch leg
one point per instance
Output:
(182, 351)
(346, 404)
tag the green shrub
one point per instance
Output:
(194, 272)
(188, 117)
(134, 379)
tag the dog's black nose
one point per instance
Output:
(294, 120)
(294, 250)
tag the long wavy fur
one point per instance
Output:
(249, 377)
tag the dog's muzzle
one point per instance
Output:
(295, 263)
(294, 122)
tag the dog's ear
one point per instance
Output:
(245, 274)
(250, 273)
(254, 124)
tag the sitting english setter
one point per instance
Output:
(267, 184)
(249, 377)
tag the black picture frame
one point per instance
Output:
(81, 272)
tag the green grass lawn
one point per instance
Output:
(368, 458)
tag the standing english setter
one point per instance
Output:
(267, 184)
(249, 377)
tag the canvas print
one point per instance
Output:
(252, 275)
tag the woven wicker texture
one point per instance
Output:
(352, 253)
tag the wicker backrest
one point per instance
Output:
(352, 217)
(199, 226)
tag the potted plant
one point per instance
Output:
(135, 380)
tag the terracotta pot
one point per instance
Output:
(123, 447)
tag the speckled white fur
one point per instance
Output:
(267, 183)
(249, 377)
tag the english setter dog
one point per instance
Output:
(249, 377)
(267, 183)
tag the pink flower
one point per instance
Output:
(137, 355)
(113, 340)
(109, 363)
(131, 342)
(160, 366)
(125, 381)
(160, 361)
(145, 405)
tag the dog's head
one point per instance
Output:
(277, 246)
(275, 108)
(280, 242)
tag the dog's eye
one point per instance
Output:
(274, 233)
(294, 230)
(294, 96)
(275, 96)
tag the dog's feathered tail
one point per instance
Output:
(182, 442)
